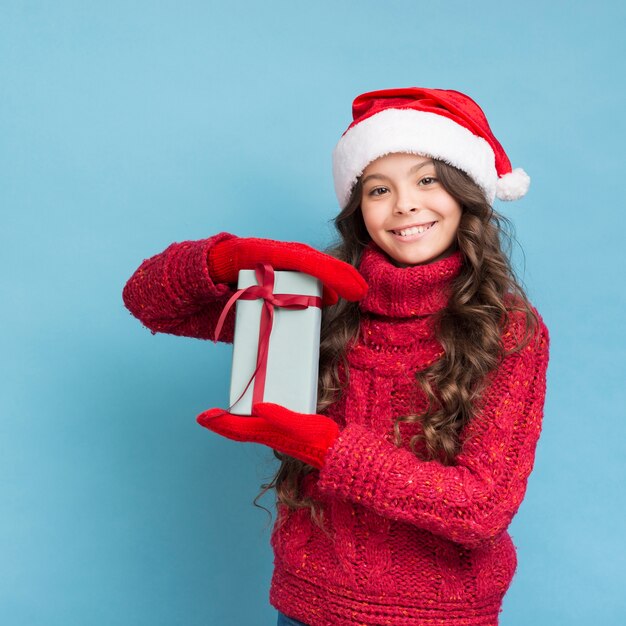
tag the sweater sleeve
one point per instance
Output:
(475, 499)
(172, 292)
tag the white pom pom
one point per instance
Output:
(513, 185)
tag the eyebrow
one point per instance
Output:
(414, 169)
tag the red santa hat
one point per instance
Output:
(440, 123)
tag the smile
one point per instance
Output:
(413, 233)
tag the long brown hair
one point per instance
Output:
(469, 330)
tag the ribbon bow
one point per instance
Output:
(264, 289)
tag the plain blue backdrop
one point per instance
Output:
(125, 126)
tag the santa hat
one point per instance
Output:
(440, 123)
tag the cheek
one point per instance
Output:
(455, 228)
(453, 216)
(371, 217)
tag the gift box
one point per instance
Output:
(276, 341)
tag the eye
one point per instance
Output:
(428, 178)
(372, 192)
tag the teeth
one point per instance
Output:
(413, 231)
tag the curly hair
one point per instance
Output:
(483, 296)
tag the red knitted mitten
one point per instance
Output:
(303, 436)
(227, 257)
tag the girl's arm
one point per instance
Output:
(474, 500)
(173, 292)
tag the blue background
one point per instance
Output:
(125, 126)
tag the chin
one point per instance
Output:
(419, 259)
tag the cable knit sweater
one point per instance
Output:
(410, 542)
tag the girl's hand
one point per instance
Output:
(303, 436)
(338, 278)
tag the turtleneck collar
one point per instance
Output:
(406, 291)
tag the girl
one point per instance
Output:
(394, 499)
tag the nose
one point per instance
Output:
(406, 202)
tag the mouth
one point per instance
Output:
(413, 229)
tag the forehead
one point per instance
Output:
(402, 162)
(396, 160)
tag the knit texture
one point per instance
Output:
(410, 542)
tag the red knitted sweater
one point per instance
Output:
(410, 542)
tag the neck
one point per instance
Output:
(396, 291)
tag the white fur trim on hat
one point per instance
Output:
(419, 132)
(513, 185)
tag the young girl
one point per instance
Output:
(394, 499)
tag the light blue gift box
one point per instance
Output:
(294, 344)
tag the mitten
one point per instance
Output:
(227, 257)
(303, 436)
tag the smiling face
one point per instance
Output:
(401, 190)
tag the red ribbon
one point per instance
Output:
(265, 290)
